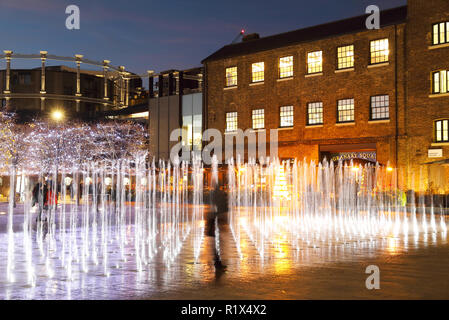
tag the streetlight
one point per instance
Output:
(57, 115)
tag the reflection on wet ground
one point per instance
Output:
(282, 267)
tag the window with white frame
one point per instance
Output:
(315, 62)
(345, 110)
(345, 57)
(380, 107)
(231, 77)
(442, 130)
(286, 116)
(440, 34)
(314, 113)
(380, 51)
(231, 121)
(258, 119)
(286, 67)
(440, 82)
(258, 70)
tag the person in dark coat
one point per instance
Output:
(40, 192)
(35, 194)
(216, 218)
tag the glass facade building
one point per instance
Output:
(192, 118)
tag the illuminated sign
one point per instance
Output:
(435, 153)
(363, 155)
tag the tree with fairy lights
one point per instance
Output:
(119, 140)
(41, 146)
(13, 151)
(12, 134)
(46, 146)
(80, 146)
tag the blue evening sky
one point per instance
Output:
(158, 35)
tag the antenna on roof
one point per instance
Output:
(239, 36)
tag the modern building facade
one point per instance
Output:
(175, 102)
(340, 91)
(80, 93)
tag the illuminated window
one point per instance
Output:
(379, 51)
(442, 130)
(345, 57)
(440, 33)
(258, 119)
(380, 107)
(286, 67)
(258, 69)
(346, 110)
(231, 121)
(315, 62)
(231, 77)
(286, 116)
(440, 83)
(315, 113)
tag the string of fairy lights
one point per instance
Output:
(43, 146)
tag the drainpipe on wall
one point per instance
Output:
(205, 105)
(396, 99)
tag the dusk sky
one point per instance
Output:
(158, 35)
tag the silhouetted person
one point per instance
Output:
(216, 217)
(40, 191)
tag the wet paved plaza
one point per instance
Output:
(412, 267)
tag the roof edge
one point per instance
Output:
(212, 58)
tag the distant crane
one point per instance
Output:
(239, 36)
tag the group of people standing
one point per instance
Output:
(44, 196)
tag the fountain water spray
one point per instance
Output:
(153, 210)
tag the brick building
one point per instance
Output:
(342, 91)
